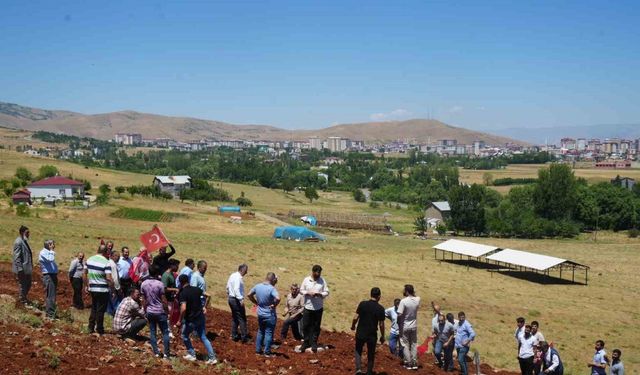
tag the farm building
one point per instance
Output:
(172, 184)
(21, 196)
(57, 187)
(438, 210)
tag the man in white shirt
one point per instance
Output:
(49, 269)
(314, 289)
(408, 326)
(526, 341)
(235, 293)
(116, 294)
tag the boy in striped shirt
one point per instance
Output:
(98, 281)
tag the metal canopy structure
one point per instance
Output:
(465, 248)
(518, 260)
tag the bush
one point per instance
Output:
(513, 181)
(359, 196)
(23, 210)
(47, 171)
(244, 202)
(441, 229)
(23, 174)
(102, 199)
(634, 233)
(374, 204)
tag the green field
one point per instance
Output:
(572, 316)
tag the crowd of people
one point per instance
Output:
(154, 291)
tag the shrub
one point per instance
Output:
(23, 210)
(441, 229)
(244, 202)
(359, 196)
(47, 171)
(374, 204)
(634, 233)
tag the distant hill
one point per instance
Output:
(554, 134)
(105, 126)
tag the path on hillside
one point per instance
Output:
(271, 219)
(79, 353)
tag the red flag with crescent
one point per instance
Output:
(154, 239)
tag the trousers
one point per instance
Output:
(50, 284)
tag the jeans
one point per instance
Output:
(137, 325)
(50, 284)
(125, 287)
(114, 302)
(437, 352)
(99, 302)
(239, 319)
(409, 341)
(526, 365)
(156, 320)
(295, 327)
(311, 321)
(448, 357)
(462, 359)
(24, 285)
(371, 353)
(198, 326)
(266, 326)
(76, 284)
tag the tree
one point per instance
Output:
(359, 196)
(487, 178)
(420, 225)
(120, 189)
(47, 171)
(467, 208)
(287, 185)
(133, 190)
(104, 189)
(24, 174)
(310, 193)
(87, 185)
(555, 193)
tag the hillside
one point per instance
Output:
(106, 125)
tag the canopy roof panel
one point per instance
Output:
(525, 259)
(465, 248)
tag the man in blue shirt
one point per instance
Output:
(464, 336)
(266, 297)
(189, 265)
(124, 265)
(617, 368)
(197, 280)
(599, 363)
(49, 268)
(394, 333)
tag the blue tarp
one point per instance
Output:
(296, 233)
(223, 209)
(309, 219)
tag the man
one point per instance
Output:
(537, 357)
(464, 336)
(599, 362)
(266, 297)
(551, 363)
(436, 315)
(116, 294)
(49, 269)
(443, 336)
(109, 246)
(235, 298)
(448, 350)
(314, 289)
(617, 367)
(155, 305)
(526, 344)
(162, 259)
(408, 326)
(392, 314)
(293, 313)
(197, 280)
(189, 265)
(98, 281)
(192, 315)
(129, 318)
(519, 332)
(22, 265)
(76, 271)
(170, 291)
(369, 318)
(124, 265)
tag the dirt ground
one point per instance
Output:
(61, 348)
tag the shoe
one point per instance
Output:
(211, 361)
(358, 372)
(235, 339)
(189, 357)
(414, 367)
(314, 349)
(302, 349)
(269, 355)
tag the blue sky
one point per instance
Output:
(308, 64)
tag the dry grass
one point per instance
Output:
(572, 316)
(10, 138)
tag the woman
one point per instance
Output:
(76, 270)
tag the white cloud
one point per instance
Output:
(456, 109)
(396, 114)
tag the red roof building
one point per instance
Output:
(21, 196)
(57, 181)
(56, 187)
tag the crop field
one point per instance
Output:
(572, 316)
(144, 215)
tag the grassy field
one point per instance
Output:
(573, 316)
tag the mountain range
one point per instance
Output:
(105, 126)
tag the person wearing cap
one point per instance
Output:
(266, 297)
(22, 265)
(293, 313)
(314, 289)
(49, 269)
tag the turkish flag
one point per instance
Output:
(425, 346)
(154, 239)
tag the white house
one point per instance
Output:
(172, 184)
(58, 187)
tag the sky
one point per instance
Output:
(312, 64)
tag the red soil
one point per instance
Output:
(23, 347)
